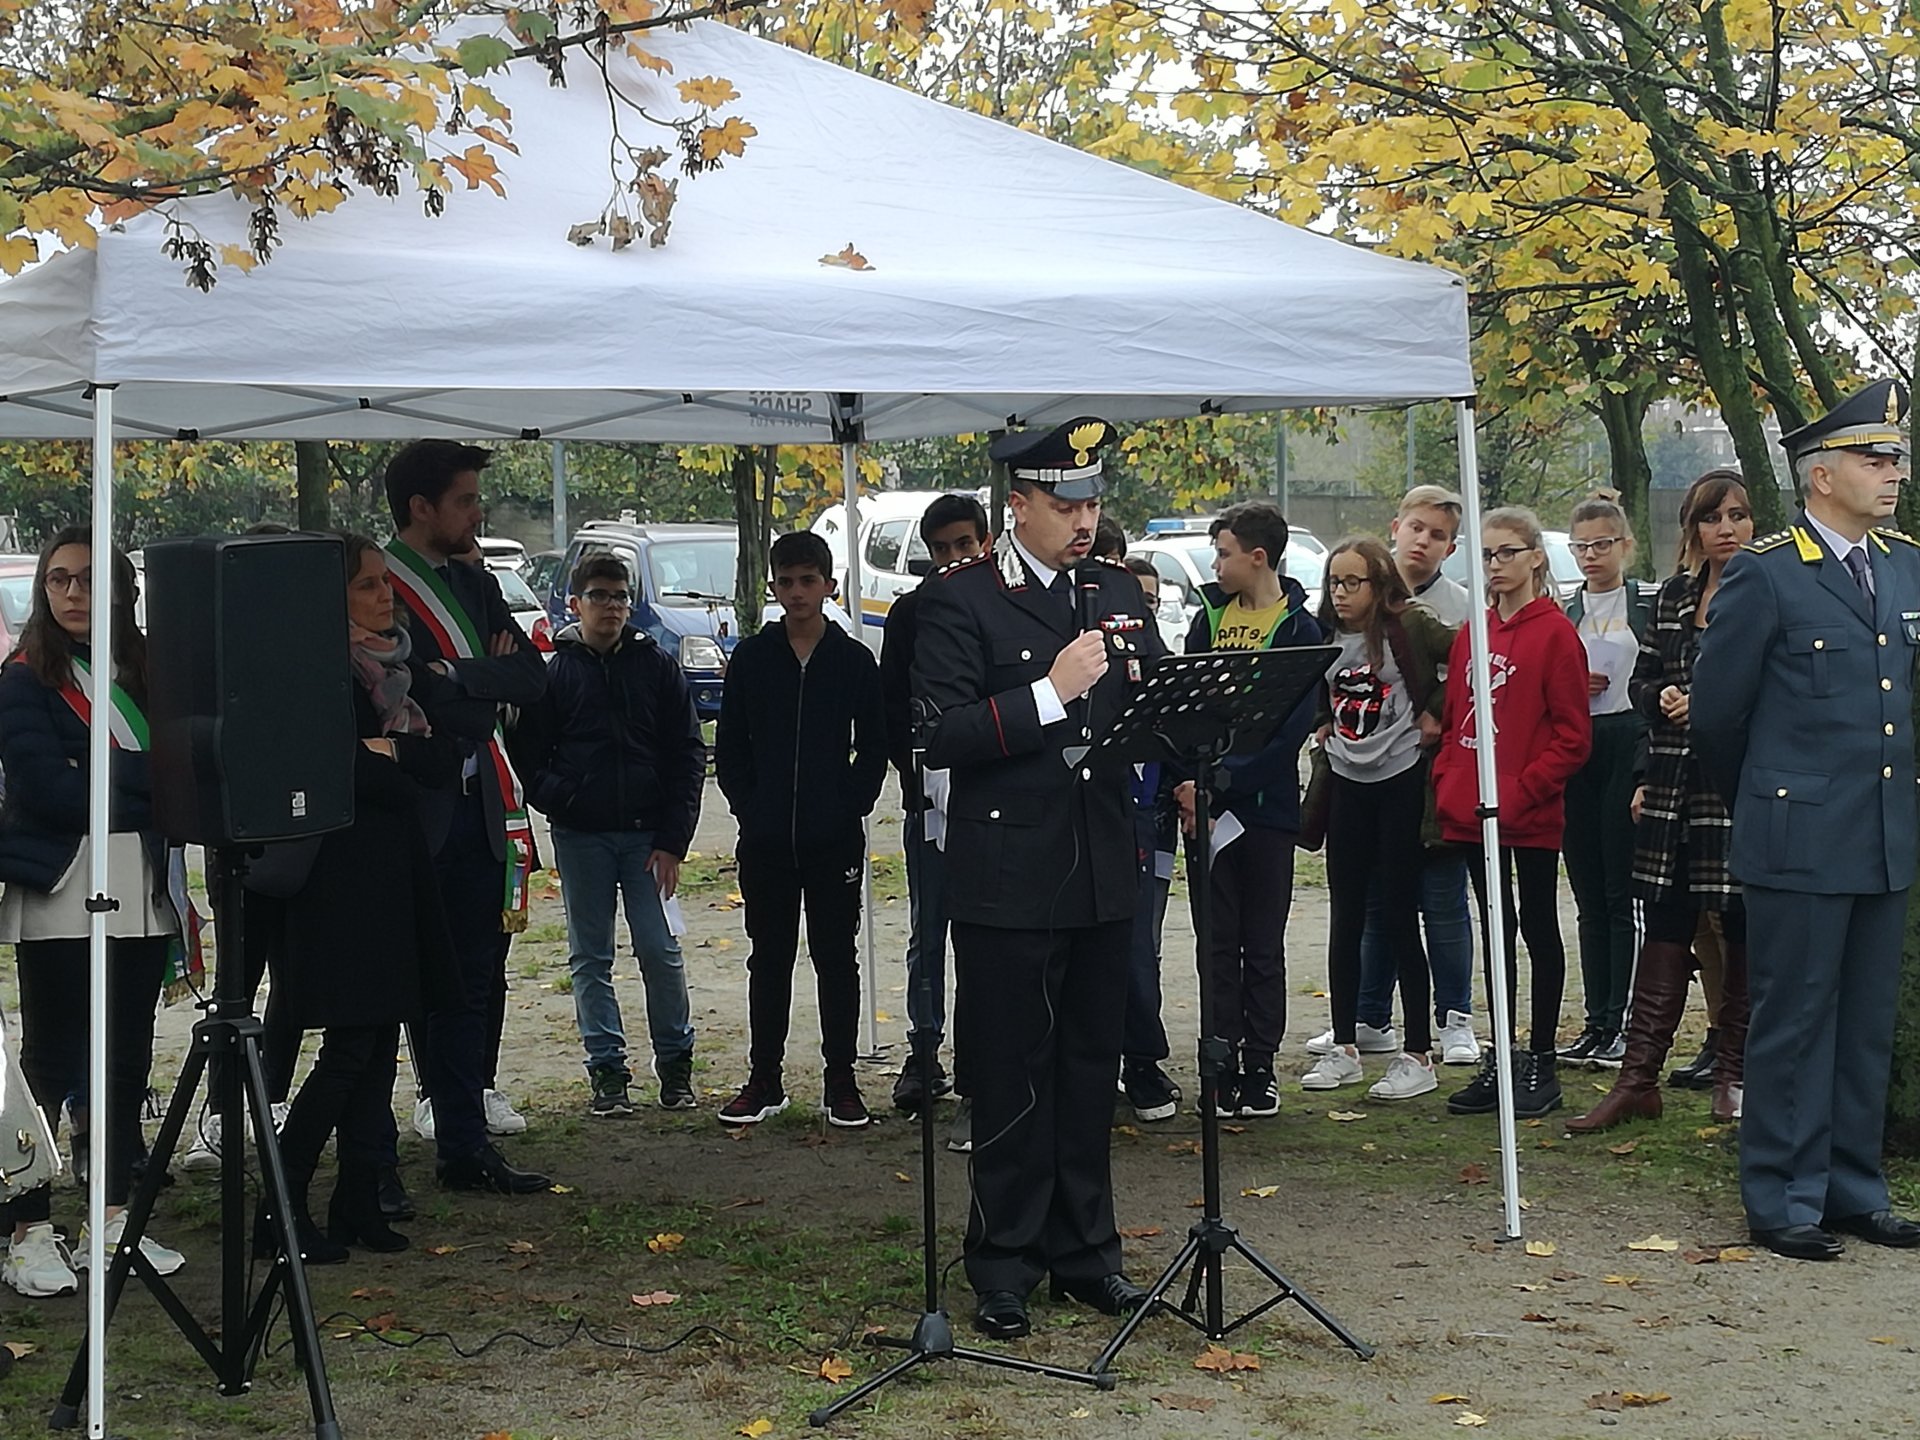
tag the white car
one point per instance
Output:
(1566, 570)
(502, 554)
(893, 557)
(525, 607)
(1184, 562)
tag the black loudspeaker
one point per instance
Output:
(249, 688)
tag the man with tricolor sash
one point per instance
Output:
(482, 838)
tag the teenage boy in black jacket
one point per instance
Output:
(800, 753)
(615, 761)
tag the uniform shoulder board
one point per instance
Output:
(1888, 533)
(1770, 542)
(953, 565)
(1122, 565)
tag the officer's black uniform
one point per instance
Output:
(1040, 887)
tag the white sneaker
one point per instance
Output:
(1407, 1076)
(163, 1260)
(502, 1118)
(204, 1153)
(1457, 1045)
(1370, 1041)
(37, 1266)
(1330, 1072)
(423, 1118)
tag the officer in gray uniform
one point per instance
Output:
(1802, 712)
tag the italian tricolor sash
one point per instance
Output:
(127, 727)
(427, 595)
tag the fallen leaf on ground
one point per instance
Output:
(1184, 1147)
(1541, 1248)
(1563, 1276)
(1170, 1401)
(1635, 1402)
(560, 1189)
(1196, 1202)
(903, 1177)
(1533, 1124)
(666, 1243)
(20, 1349)
(1700, 1257)
(1625, 1147)
(1546, 1142)
(833, 1370)
(1079, 1412)
(1735, 1254)
(1871, 1340)
(1612, 1400)
(383, 1322)
(1261, 1192)
(1369, 1146)
(755, 1428)
(1141, 1232)
(1627, 1280)
(1233, 1130)
(1129, 1130)
(1709, 1132)
(444, 1249)
(1468, 1418)
(742, 1132)
(744, 1201)
(1343, 1116)
(1474, 1174)
(1654, 1242)
(1534, 1317)
(1220, 1360)
(521, 1247)
(1529, 1288)
(654, 1297)
(1448, 1400)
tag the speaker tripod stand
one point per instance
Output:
(1196, 708)
(226, 1047)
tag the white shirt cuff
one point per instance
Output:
(1046, 700)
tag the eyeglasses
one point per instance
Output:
(1347, 584)
(65, 582)
(1603, 546)
(1506, 554)
(618, 599)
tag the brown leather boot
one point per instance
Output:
(1730, 1066)
(1659, 999)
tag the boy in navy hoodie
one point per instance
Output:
(1254, 607)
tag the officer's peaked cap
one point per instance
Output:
(1065, 459)
(1873, 420)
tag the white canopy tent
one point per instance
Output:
(1014, 281)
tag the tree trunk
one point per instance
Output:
(313, 479)
(1623, 415)
(751, 515)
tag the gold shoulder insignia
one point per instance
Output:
(1770, 542)
(1887, 532)
(1809, 548)
(1109, 560)
(953, 565)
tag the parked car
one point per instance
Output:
(1566, 570)
(682, 594)
(502, 554)
(1184, 561)
(528, 610)
(16, 598)
(893, 557)
(541, 570)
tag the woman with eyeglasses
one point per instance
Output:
(1611, 613)
(48, 690)
(366, 946)
(1379, 716)
(1539, 691)
(1682, 830)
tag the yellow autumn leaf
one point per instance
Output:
(1734, 1254)
(708, 90)
(728, 138)
(1445, 1399)
(833, 1370)
(1346, 1117)
(753, 1429)
(1654, 1242)
(1469, 1419)
(1542, 1248)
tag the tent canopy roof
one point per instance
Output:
(1013, 280)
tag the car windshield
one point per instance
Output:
(16, 600)
(691, 572)
(518, 594)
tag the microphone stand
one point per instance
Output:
(932, 1337)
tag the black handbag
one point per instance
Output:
(1318, 799)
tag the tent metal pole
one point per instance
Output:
(560, 535)
(869, 978)
(99, 757)
(1498, 999)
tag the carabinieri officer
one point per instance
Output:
(1025, 656)
(1802, 711)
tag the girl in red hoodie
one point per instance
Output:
(1538, 670)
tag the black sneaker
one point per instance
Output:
(1480, 1095)
(1151, 1094)
(843, 1104)
(1612, 1052)
(676, 1082)
(1536, 1085)
(1226, 1102)
(1591, 1039)
(609, 1092)
(1259, 1092)
(908, 1092)
(759, 1099)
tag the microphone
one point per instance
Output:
(1086, 582)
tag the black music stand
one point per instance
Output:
(932, 1337)
(1197, 709)
(228, 1040)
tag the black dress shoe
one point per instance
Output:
(1111, 1294)
(1800, 1242)
(487, 1169)
(395, 1203)
(1879, 1227)
(1002, 1315)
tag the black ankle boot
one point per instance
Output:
(315, 1248)
(353, 1214)
(1536, 1084)
(1697, 1074)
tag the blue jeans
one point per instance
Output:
(1443, 915)
(597, 868)
(926, 933)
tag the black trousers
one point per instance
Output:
(1252, 893)
(1537, 922)
(348, 1091)
(472, 884)
(53, 1036)
(1599, 851)
(777, 885)
(1043, 1096)
(263, 923)
(1373, 838)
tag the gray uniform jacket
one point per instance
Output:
(1802, 712)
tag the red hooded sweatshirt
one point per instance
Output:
(1542, 730)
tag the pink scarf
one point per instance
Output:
(380, 665)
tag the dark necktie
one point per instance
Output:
(1061, 589)
(1856, 562)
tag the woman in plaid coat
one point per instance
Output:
(1683, 830)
